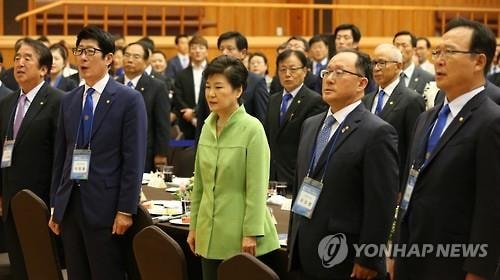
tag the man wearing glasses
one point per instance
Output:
(453, 185)
(99, 162)
(393, 101)
(348, 180)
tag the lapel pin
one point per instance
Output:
(41, 103)
(391, 103)
(142, 89)
(107, 101)
(461, 119)
(298, 101)
(345, 129)
(416, 79)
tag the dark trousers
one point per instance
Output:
(91, 253)
(16, 257)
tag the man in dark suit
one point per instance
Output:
(452, 195)
(154, 92)
(493, 93)
(99, 162)
(255, 97)
(181, 61)
(353, 155)
(286, 113)
(413, 76)
(29, 119)
(189, 88)
(4, 91)
(393, 102)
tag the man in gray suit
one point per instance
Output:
(414, 77)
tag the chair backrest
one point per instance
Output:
(141, 220)
(183, 161)
(31, 217)
(158, 254)
(244, 266)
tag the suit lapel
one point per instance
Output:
(104, 104)
(392, 102)
(294, 106)
(457, 123)
(344, 130)
(36, 106)
(370, 98)
(143, 81)
(76, 106)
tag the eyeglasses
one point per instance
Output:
(381, 63)
(292, 70)
(337, 73)
(134, 56)
(447, 53)
(87, 51)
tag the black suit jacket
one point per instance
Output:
(419, 79)
(255, 98)
(174, 66)
(400, 111)
(33, 152)
(157, 104)
(493, 92)
(184, 97)
(358, 195)
(311, 81)
(455, 198)
(284, 140)
(8, 79)
(4, 91)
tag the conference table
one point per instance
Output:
(277, 260)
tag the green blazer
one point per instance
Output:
(230, 188)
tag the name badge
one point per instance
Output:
(8, 146)
(80, 165)
(307, 197)
(410, 185)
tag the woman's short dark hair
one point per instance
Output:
(61, 49)
(232, 68)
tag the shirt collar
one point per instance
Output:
(458, 103)
(134, 80)
(30, 95)
(201, 67)
(148, 69)
(293, 92)
(409, 70)
(341, 114)
(390, 88)
(100, 85)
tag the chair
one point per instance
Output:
(183, 161)
(31, 217)
(244, 266)
(157, 255)
(141, 220)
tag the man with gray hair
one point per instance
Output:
(393, 101)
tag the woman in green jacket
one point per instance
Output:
(228, 208)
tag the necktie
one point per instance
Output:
(323, 138)
(438, 130)
(20, 114)
(130, 84)
(284, 103)
(402, 75)
(380, 102)
(318, 68)
(87, 118)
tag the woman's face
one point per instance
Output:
(158, 62)
(258, 65)
(222, 98)
(57, 62)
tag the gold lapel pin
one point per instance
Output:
(298, 101)
(142, 89)
(107, 101)
(345, 129)
(41, 103)
(391, 103)
(461, 119)
(416, 79)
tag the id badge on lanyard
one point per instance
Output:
(80, 164)
(410, 185)
(307, 197)
(8, 147)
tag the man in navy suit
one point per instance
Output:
(452, 197)
(98, 165)
(353, 155)
(181, 61)
(414, 77)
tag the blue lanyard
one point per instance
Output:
(330, 152)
